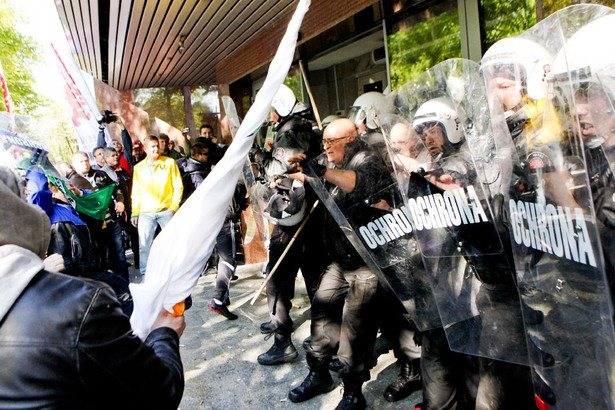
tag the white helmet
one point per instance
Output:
(587, 61)
(365, 108)
(588, 50)
(533, 59)
(439, 111)
(329, 119)
(284, 101)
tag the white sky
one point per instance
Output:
(43, 24)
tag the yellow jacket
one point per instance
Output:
(544, 127)
(156, 188)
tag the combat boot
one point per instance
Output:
(318, 381)
(408, 381)
(267, 327)
(353, 397)
(282, 351)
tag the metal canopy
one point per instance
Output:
(144, 44)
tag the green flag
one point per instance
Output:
(94, 204)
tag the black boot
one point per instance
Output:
(336, 365)
(267, 327)
(408, 381)
(353, 397)
(282, 351)
(318, 381)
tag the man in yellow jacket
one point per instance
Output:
(156, 193)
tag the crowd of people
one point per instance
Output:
(440, 215)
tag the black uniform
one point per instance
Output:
(344, 309)
(193, 173)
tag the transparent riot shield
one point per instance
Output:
(452, 200)
(372, 221)
(561, 173)
(20, 151)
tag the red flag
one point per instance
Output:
(8, 103)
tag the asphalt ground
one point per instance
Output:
(219, 355)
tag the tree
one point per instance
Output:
(503, 19)
(164, 103)
(205, 104)
(423, 45)
(18, 53)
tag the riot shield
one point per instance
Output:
(454, 206)
(560, 174)
(372, 220)
(20, 151)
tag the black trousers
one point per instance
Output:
(281, 287)
(225, 244)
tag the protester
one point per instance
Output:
(123, 147)
(106, 234)
(124, 183)
(70, 237)
(97, 154)
(165, 148)
(156, 194)
(138, 153)
(86, 355)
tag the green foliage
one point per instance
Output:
(294, 83)
(164, 103)
(423, 45)
(551, 6)
(507, 18)
(18, 53)
(204, 102)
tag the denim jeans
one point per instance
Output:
(148, 222)
(114, 252)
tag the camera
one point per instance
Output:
(186, 131)
(106, 117)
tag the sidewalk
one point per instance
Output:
(219, 355)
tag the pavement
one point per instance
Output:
(219, 355)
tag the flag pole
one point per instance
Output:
(281, 258)
(292, 241)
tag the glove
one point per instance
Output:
(605, 206)
(54, 263)
(314, 167)
(256, 154)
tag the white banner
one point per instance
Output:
(81, 104)
(181, 250)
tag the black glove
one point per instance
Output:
(256, 154)
(313, 167)
(605, 206)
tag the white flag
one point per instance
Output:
(81, 104)
(181, 250)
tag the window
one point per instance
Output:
(422, 39)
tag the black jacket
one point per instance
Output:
(193, 174)
(372, 181)
(66, 344)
